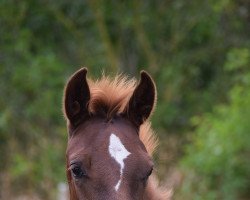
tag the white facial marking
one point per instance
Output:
(119, 153)
(118, 184)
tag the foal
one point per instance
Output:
(110, 141)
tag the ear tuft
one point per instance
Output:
(76, 97)
(143, 100)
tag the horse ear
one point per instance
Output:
(76, 97)
(142, 100)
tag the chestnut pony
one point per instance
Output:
(110, 141)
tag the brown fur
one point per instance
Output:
(110, 97)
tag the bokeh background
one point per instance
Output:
(198, 52)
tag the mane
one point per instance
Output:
(110, 96)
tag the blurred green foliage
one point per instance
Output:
(197, 51)
(217, 163)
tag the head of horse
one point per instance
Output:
(110, 141)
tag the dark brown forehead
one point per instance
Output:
(93, 136)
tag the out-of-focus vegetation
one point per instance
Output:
(198, 53)
(217, 162)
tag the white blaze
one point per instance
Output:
(119, 153)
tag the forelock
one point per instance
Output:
(109, 96)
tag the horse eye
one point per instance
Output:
(147, 175)
(150, 172)
(77, 172)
